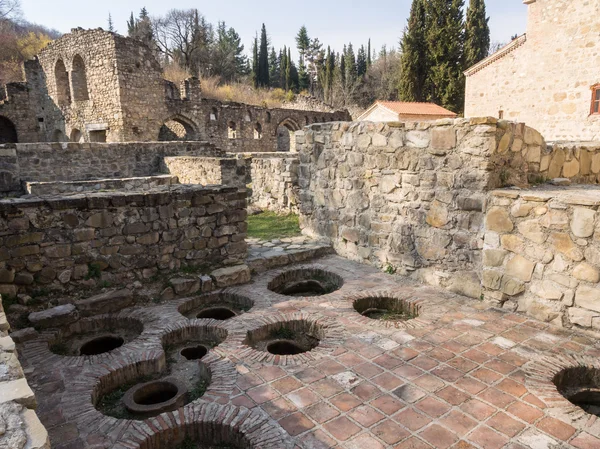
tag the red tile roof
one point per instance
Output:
(405, 108)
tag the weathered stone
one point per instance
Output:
(556, 164)
(105, 302)
(100, 220)
(586, 272)
(571, 168)
(521, 209)
(583, 222)
(494, 257)
(520, 268)
(226, 277)
(498, 220)
(513, 243)
(511, 286)
(555, 219)
(565, 245)
(185, 286)
(588, 298)
(442, 140)
(492, 279)
(547, 290)
(438, 215)
(582, 317)
(18, 391)
(24, 335)
(467, 284)
(532, 230)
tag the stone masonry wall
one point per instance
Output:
(125, 184)
(410, 195)
(207, 170)
(21, 426)
(544, 78)
(76, 241)
(275, 184)
(542, 253)
(75, 162)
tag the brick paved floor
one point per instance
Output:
(460, 375)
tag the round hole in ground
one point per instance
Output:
(155, 393)
(284, 347)
(581, 386)
(385, 308)
(194, 352)
(101, 345)
(216, 313)
(306, 282)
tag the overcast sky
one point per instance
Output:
(333, 22)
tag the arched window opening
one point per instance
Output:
(248, 116)
(8, 131)
(214, 114)
(231, 130)
(76, 136)
(268, 119)
(61, 76)
(79, 80)
(58, 136)
(257, 131)
(177, 129)
(286, 131)
(306, 120)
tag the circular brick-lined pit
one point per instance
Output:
(580, 385)
(217, 306)
(385, 308)
(156, 397)
(306, 282)
(286, 338)
(95, 336)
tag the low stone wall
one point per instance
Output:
(44, 162)
(60, 243)
(125, 184)
(21, 428)
(542, 253)
(275, 184)
(207, 170)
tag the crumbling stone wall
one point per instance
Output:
(68, 242)
(207, 170)
(544, 77)
(275, 183)
(542, 253)
(76, 162)
(15, 108)
(125, 184)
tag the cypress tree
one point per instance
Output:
(343, 68)
(131, 26)
(414, 60)
(263, 59)
(350, 65)
(111, 26)
(477, 34)
(303, 77)
(255, 63)
(445, 40)
(361, 62)
(329, 62)
(369, 61)
(288, 70)
(274, 69)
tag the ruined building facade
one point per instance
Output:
(548, 78)
(97, 86)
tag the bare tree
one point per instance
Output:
(9, 9)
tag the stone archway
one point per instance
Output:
(79, 80)
(76, 136)
(286, 131)
(178, 128)
(61, 78)
(8, 131)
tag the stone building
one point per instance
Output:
(549, 77)
(97, 86)
(400, 111)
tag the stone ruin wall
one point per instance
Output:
(275, 183)
(42, 162)
(207, 170)
(73, 242)
(545, 81)
(542, 253)
(15, 106)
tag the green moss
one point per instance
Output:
(269, 226)
(199, 390)
(282, 333)
(94, 271)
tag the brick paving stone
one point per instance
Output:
(269, 373)
(366, 391)
(408, 372)
(433, 407)
(278, 408)
(296, 424)
(439, 437)
(390, 432)
(331, 367)
(365, 415)
(424, 362)
(500, 366)
(286, 385)
(406, 354)
(452, 395)
(525, 412)
(364, 441)
(367, 370)
(387, 404)
(477, 409)
(556, 428)
(326, 387)
(585, 441)
(496, 397)
(447, 373)
(346, 401)
(317, 440)
(302, 398)
(387, 381)
(429, 383)
(322, 412)
(486, 376)
(412, 420)
(511, 387)
(461, 364)
(409, 393)
(350, 359)
(458, 423)
(487, 438)
(341, 428)
(505, 424)
(262, 394)
(413, 443)
(309, 375)
(387, 361)
(534, 400)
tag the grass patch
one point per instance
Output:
(269, 226)
(198, 391)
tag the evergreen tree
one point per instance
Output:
(228, 59)
(351, 73)
(111, 26)
(369, 60)
(414, 63)
(477, 34)
(255, 62)
(274, 69)
(263, 59)
(445, 40)
(328, 78)
(302, 42)
(288, 70)
(343, 68)
(131, 26)
(361, 62)
(303, 77)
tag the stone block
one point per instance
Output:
(498, 220)
(511, 286)
(438, 215)
(547, 290)
(582, 317)
(226, 277)
(108, 302)
(520, 268)
(442, 140)
(494, 257)
(18, 391)
(37, 435)
(564, 244)
(23, 335)
(513, 243)
(54, 317)
(185, 286)
(588, 298)
(492, 279)
(466, 283)
(586, 272)
(532, 230)
(583, 222)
